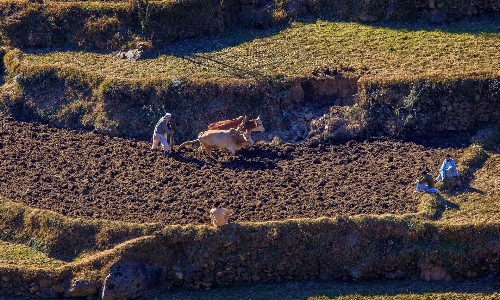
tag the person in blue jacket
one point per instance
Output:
(448, 169)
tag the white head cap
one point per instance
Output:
(167, 115)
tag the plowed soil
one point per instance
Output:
(85, 174)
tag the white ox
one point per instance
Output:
(230, 139)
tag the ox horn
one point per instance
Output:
(240, 127)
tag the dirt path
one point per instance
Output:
(91, 175)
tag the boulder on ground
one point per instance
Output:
(128, 279)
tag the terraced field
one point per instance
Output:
(332, 178)
(90, 175)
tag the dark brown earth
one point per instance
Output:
(85, 174)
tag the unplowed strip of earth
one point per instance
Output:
(85, 174)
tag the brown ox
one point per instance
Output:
(240, 123)
(230, 139)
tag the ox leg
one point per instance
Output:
(209, 152)
(233, 152)
(200, 149)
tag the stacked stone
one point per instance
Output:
(44, 288)
(465, 116)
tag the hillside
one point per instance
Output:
(357, 97)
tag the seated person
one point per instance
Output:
(219, 215)
(426, 183)
(448, 169)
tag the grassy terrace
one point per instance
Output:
(480, 204)
(19, 256)
(295, 51)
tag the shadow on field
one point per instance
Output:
(460, 140)
(180, 156)
(237, 72)
(482, 25)
(387, 289)
(444, 205)
(189, 47)
(468, 177)
(242, 164)
(241, 161)
(193, 49)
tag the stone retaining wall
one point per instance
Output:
(430, 104)
(32, 283)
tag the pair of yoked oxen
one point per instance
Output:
(230, 134)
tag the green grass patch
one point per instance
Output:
(354, 49)
(19, 256)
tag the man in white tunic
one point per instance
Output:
(162, 130)
(448, 169)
